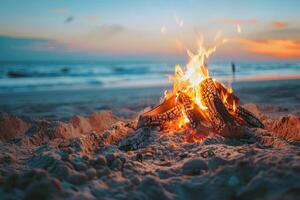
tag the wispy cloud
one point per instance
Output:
(69, 19)
(238, 21)
(276, 33)
(60, 10)
(8, 42)
(280, 24)
(278, 48)
(107, 30)
(91, 18)
(32, 44)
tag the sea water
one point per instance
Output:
(46, 75)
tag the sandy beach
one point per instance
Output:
(149, 100)
(62, 104)
(70, 145)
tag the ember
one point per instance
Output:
(199, 104)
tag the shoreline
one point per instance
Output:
(132, 83)
(62, 104)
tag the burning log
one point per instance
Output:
(219, 116)
(165, 112)
(241, 115)
(248, 118)
(199, 104)
(192, 110)
(225, 117)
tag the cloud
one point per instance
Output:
(22, 48)
(278, 48)
(107, 31)
(238, 21)
(91, 18)
(60, 10)
(69, 19)
(279, 24)
(275, 33)
(7, 42)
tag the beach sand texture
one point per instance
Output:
(46, 153)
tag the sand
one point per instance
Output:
(69, 145)
(284, 94)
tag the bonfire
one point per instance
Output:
(199, 104)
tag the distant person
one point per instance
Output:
(233, 69)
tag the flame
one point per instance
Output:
(183, 120)
(188, 80)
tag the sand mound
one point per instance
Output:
(87, 158)
(287, 127)
(11, 127)
(42, 131)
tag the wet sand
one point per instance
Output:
(63, 104)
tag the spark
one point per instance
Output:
(238, 28)
(179, 21)
(163, 29)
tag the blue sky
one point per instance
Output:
(78, 29)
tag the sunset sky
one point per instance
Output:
(132, 29)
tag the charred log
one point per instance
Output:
(192, 110)
(225, 118)
(219, 116)
(222, 90)
(165, 112)
(248, 117)
(140, 138)
(241, 115)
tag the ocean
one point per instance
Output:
(61, 75)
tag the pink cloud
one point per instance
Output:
(280, 24)
(278, 48)
(91, 18)
(238, 21)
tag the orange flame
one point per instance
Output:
(188, 80)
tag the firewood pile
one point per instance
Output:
(222, 116)
(198, 104)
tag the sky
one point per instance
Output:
(136, 29)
